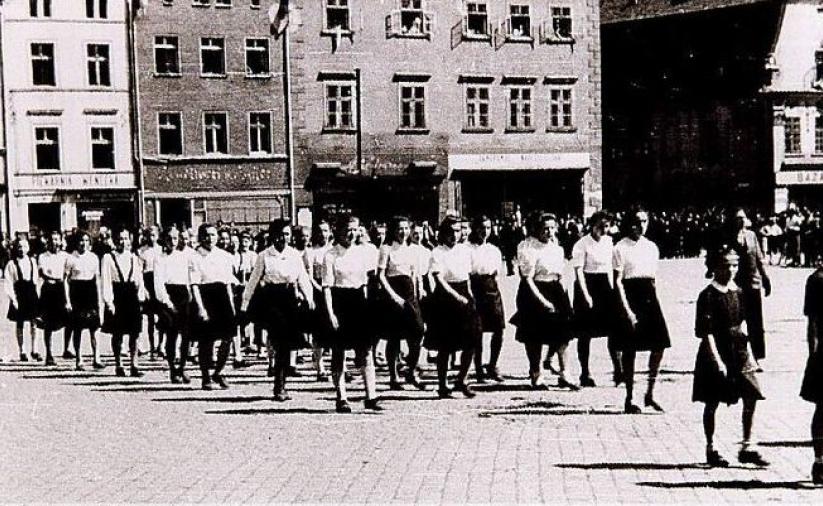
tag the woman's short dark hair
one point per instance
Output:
(534, 223)
(276, 228)
(446, 228)
(394, 224)
(202, 229)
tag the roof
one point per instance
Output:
(617, 11)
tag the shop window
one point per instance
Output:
(792, 135)
(260, 133)
(212, 57)
(410, 19)
(42, 64)
(215, 133)
(47, 148)
(166, 55)
(477, 108)
(40, 8)
(102, 148)
(97, 60)
(169, 133)
(560, 108)
(97, 9)
(257, 58)
(339, 106)
(412, 107)
(520, 108)
(337, 15)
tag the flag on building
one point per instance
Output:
(279, 17)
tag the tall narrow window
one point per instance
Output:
(97, 56)
(818, 61)
(337, 15)
(97, 9)
(560, 108)
(561, 23)
(257, 57)
(42, 64)
(412, 107)
(212, 56)
(520, 108)
(40, 8)
(477, 107)
(166, 55)
(215, 133)
(818, 132)
(169, 133)
(520, 21)
(260, 132)
(792, 135)
(102, 148)
(47, 148)
(339, 106)
(477, 18)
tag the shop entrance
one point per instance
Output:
(113, 215)
(45, 217)
(175, 212)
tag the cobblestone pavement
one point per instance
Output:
(87, 437)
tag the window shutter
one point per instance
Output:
(501, 33)
(457, 32)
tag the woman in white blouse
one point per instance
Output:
(123, 292)
(83, 269)
(277, 275)
(454, 324)
(400, 313)
(54, 297)
(594, 303)
(321, 243)
(21, 289)
(345, 276)
(244, 260)
(487, 261)
(643, 327)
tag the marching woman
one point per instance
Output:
(277, 275)
(123, 293)
(487, 261)
(313, 260)
(149, 253)
(453, 324)
(84, 300)
(345, 276)
(244, 260)
(400, 314)
(212, 288)
(544, 315)
(21, 288)
(53, 314)
(812, 388)
(643, 327)
(594, 295)
(172, 283)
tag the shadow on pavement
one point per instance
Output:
(647, 466)
(734, 484)
(272, 411)
(786, 444)
(548, 409)
(144, 389)
(238, 399)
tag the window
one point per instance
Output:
(40, 8)
(793, 135)
(222, 3)
(412, 107)
(169, 133)
(212, 56)
(477, 107)
(42, 64)
(818, 61)
(257, 57)
(97, 9)
(255, 4)
(215, 133)
(260, 132)
(520, 24)
(47, 148)
(102, 148)
(560, 108)
(97, 57)
(337, 15)
(520, 108)
(561, 28)
(201, 3)
(166, 55)
(477, 19)
(818, 132)
(409, 20)
(339, 106)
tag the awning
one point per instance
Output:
(519, 161)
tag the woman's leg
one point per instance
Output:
(655, 359)
(747, 455)
(338, 365)
(617, 365)
(628, 376)
(534, 352)
(412, 359)
(709, 412)
(116, 348)
(561, 351)
(47, 342)
(365, 359)
(21, 345)
(133, 354)
(281, 364)
(817, 432)
(392, 353)
(77, 336)
(583, 352)
(95, 352)
(67, 337)
(478, 357)
(495, 348)
(443, 372)
(171, 354)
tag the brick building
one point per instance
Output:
(67, 116)
(212, 121)
(418, 106)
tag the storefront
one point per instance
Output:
(803, 187)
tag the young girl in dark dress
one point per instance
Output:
(21, 288)
(54, 298)
(84, 298)
(123, 293)
(812, 389)
(487, 260)
(724, 370)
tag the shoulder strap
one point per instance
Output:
(131, 267)
(117, 266)
(19, 270)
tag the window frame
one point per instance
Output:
(107, 45)
(206, 152)
(35, 143)
(396, 15)
(572, 126)
(818, 131)
(552, 36)
(36, 6)
(799, 122)
(113, 130)
(177, 61)
(213, 75)
(53, 60)
(160, 127)
(201, 3)
(96, 9)
(246, 51)
(466, 15)
(327, 30)
(223, 4)
(270, 137)
(510, 128)
(488, 101)
(340, 127)
(415, 128)
(510, 36)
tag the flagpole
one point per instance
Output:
(289, 129)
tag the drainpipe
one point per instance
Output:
(134, 103)
(289, 126)
(359, 130)
(4, 138)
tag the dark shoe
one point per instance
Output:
(431, 359)
(752, 457)
(465, 390)
(160, 354)
(175, 379)
(292, 372)
(444, 393)
(537, 382)
(649, 402)
(348, 377)
(220, 381)
(617, 377)
(587, 382)
(68, 355)
(136, 373)
(547, 365)
(412, 380)
(342, 407)
(631, 409)
(714, 459)
(564, 383)
(817, 473)
(493, 374)
(152, 356)
(207, 385)
(480, 377)
(119, 372)
(36, 356)
(281, 396)
(50, 361)
(322, 377)
(24, 357)
(79, 367)
(396, 385)
(239, 364)
(372, 405)
(184, 377)
(97, 366)
(380, 361)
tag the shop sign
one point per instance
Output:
(210, 178)
(799, 177)
(76, 181)
(519, 161)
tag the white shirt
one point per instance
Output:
(276, 268)
(543, 261)
(213, 266)
(244, 265)
(636, 260)
(149, 255)
(398, 260)
(346, 267)
(595, 257)
(27, 268)
(371, 254)
(453, 264)
(175, 268)
(424, 256)
(83, 267)
(313, 260)
(53, 265)
(130, 267)
(486, 259)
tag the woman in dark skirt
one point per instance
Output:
(400, 309)
(544, 314)
(277, 276)
(642, 326)
(812, 388)
(21, 289)
(724, 370)
(54, 297)
(487, 261)
(123, 293)
(313, 260)
(454, 323)
(148, 254)
(594, 297)
(212, 283)
(84, 299)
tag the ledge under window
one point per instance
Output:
(339, 130)
(401, 35)
(477, 130)
(520, 130)
(267, 75)
(477, 37)
(412, 131)
(561, 129)
(519, 40)
(559, 40)
(328, 32)
(166, 74)
(214, 76)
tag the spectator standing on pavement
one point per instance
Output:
(53, 310)
(83, 268)
(812, 387)
(22, 278)
(794, 225)
(724, 370)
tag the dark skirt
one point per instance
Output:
(220, 310)
(85, 305)
(26, 309)
(127, 317)
(452, 326)
(150, 306)
(52, 314)
(355, 331)
(536, 324)
(595, 321)
(489, 303)
(282, 318)
(651, 332)
(406, 322)
(710, 386)
(812, 387)
(177, 320)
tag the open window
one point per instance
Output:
(559, 27)
(410, 19)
